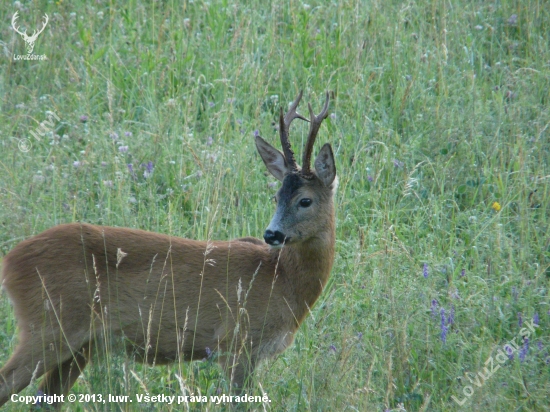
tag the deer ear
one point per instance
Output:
(324, 165)
(273, 159)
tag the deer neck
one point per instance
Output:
(305, 269)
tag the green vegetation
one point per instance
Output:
(440, 110)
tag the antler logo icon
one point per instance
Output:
(29, 39)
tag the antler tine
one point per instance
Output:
(14, 21)
(292, 114)
(37, 32)
(284, 125)
(47, 19)
(313, 129)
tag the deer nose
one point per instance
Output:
(274, 238)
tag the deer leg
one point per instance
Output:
(18, 372)
(239, 370)
(60, 379)
(31, 360)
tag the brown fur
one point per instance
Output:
(66, 289)
(171, 298)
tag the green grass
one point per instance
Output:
(440, 110)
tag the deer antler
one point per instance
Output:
(35, 34)
(313, 129)
(24, 34)
(284, 124)
(13, 20)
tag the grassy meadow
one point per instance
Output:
(440, 125)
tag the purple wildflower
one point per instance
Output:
(209, 141)
(38, 396)
(513, 20)
(509, 351)
(539, 344)
(208, 351)
(370, 178)
(425, 271)
(397, 163)
(256, 133)
(332, 348)
(463, 273)
(443, 327)
(76, 163)
(123, 149)
(333, 116)
(536, 319)
(128, 134)
(451, 319)
(211, 104)
(360, 335)
(114, 136)
(103, 164)
(524, 349)
(131, 168)
(434, 306)
(520, 319)
(148, 169)
(83, 118)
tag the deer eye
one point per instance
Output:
(305, 202)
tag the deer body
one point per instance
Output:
(171, 298)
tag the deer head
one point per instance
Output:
(29, 39)
(305, 197)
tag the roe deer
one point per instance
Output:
(175, 299)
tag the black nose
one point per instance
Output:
(274, 238)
